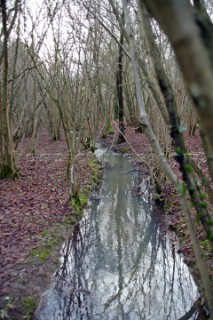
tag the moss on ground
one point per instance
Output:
(80, 201)
(78, 204)
(29, 305)
(50, 239)
(95, 176)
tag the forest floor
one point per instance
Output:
(35, 219)
(36, 216)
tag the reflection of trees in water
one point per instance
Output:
(136, 279)
(129, 245)
(149, 236)
(70, 278)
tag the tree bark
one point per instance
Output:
(177, 19)
(119, 82)
(7, 160)
(176, 134)
(140, 102)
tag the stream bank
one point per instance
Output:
(138, 147)
(35, 220)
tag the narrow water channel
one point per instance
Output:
(120, 263)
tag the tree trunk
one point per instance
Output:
(7, 157)
(120, 91)
(177, 19)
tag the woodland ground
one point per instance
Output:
(37, 202)
(35, 218)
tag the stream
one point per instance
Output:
(120, 262)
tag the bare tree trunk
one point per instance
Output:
(185, 166)
(140, 102)
(206, 282)
(7, 156)
(178, 22)
(34, 137)
(120, 90)
(176, 134)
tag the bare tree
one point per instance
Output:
(8, 166)
(194, 59)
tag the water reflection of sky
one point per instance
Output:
(120, 263)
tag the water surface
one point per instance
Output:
(120, 263)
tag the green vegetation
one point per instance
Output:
(80, 201)
(40, 253)
(110, 129)
(78, 204)
(95, 176)
(7, 172)
(182, 188)
(205, 244)
(107, 131)
(69, 220)
(29, 306)
(124, 150)
(9, 306)
(49, 240)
